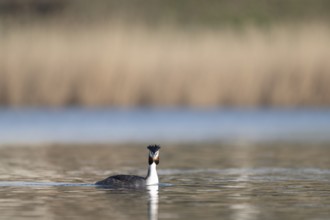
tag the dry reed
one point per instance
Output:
(132, 65)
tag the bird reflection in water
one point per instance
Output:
(153, 202)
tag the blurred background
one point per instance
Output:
(119, 70)
(237, 93)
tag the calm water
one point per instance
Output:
(171, 125)
(200, 181)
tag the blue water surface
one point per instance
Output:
(78, 125)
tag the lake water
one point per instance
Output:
(231, 164)
(165, 125)
(198, 181)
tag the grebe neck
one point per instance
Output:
(152, 177)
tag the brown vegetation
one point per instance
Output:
(133, 65)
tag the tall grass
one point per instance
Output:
(134, 65)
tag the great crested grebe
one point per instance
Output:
(136, 181)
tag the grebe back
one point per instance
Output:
(136, 181)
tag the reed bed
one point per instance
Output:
(124, 65)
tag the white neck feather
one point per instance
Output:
(152, 177)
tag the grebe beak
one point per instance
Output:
(154, 159)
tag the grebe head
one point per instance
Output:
(153, 154)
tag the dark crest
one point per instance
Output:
(154, 148)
